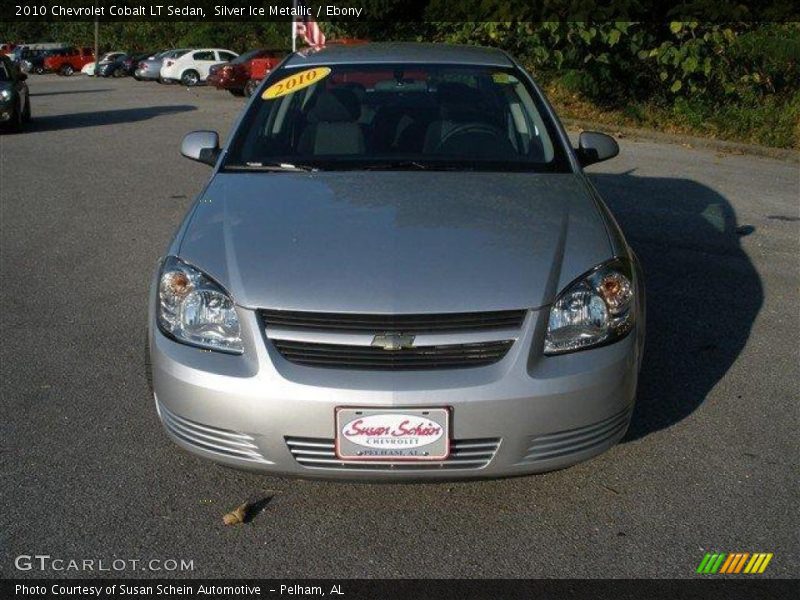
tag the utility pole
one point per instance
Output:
(96, 38)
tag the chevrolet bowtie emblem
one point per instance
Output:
(393, 341)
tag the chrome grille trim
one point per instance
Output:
(411, 324)
(365, 339)
(231, 444)
(435, 341)
(450, 356)
(318, 453)
(571, 441)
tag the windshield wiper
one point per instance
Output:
(257, 166)
(410, 165)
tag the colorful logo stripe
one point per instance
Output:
(734, 562)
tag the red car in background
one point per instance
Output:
(68, 61)
(242, 75)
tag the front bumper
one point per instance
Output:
(524, 414)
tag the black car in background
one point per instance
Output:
(112, 68)
(123, 66)
(15, 102)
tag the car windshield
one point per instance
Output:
(401, 116)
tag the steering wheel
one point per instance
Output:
(468, 128)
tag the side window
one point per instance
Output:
(203, 55)
(226, 56)
(5, 75)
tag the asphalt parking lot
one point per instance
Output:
(89, 197)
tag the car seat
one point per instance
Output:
(333, 126)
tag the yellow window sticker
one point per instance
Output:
(295, 82)
(504, 78)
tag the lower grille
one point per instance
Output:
(320, 453)
(367, 357)
(572, 441)
(224, 442)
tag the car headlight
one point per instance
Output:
(5, 95)
(594, 310)
(195, 310)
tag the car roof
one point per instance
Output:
(400, 52)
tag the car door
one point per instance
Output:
(202, 61)
(22, 86)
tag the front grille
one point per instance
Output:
(320, 453)
(572, 441)
(450, 356)
(406, 324)
(224, 442)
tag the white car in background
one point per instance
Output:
(192, 68)
(89, 68)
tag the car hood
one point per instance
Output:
(395, 242)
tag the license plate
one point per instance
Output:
(392, 434)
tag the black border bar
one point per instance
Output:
(403, 10)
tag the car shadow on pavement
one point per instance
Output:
(703, 292)
(71, 92)
(104, 117)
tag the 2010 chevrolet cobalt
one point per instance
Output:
(398, 270)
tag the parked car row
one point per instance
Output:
(222, 68)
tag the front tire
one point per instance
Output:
(66, 70)
(250, 87)
(26, 111)
(190, 78)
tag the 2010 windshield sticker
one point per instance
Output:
(298, 81)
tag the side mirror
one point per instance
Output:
(594, 147)
(202, 146)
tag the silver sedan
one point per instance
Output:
(397, 271)
(150, 68)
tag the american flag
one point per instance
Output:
(307, 27)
